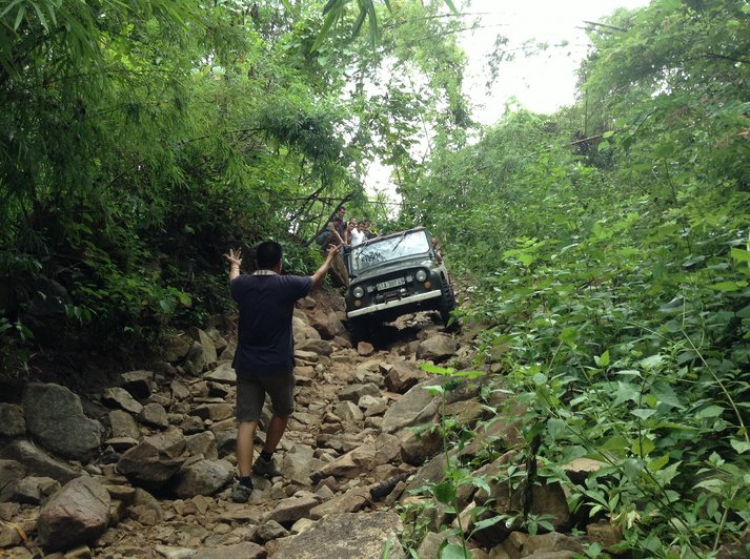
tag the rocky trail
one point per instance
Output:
(145, 469)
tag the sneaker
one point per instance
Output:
(241, 493)
(265, 468)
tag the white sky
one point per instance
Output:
(542, 83)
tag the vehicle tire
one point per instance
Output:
(447, 303)
(360, 329)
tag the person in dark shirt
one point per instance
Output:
(264, 360)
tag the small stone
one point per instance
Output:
(154, 415)
(271, 530)
(120, 398)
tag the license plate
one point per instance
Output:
(391, 283)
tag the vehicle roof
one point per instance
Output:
(397, 234)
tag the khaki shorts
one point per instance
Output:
(251, 394)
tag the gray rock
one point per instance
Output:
(195, 361)
(177, 347)
(77, 514)
(288, 511)
(154, 415)
(299, 463)
(12, 423)
(520, 544)
(353, 500)
(417, 447)
(37, 462)
(9, 537)
(438, 347)
(320, 347)
(354, 392)
(207, 345)
(303, 331)
(145, 465)
(174, 552)
(192, 424)
(224, 373)
(203, 443)
(242, 550)
(169, 443)
(271, 530)
(139, 383)
(205, 477)
(362, 459)
(34, 490)
(120, 398)
(220, 343)
(348, 411)
(346, 536)
(226, 442)
(121, 444)
(416, 407)
(122, 424)
(54, 416)
(11, 472)
(145, 508)
(403, 376)
(180, 391)
(214, 412)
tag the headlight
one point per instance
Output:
(358, 292)
(421, 275)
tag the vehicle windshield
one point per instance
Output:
(377, 251)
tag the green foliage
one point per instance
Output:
(609, 245)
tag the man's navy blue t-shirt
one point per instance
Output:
(266, 302)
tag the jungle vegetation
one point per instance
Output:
(608, 242)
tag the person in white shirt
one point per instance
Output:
(356, 233)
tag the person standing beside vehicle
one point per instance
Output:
(357, 235)
(264, 360)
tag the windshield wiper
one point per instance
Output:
(403, 235)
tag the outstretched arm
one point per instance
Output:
(320, 273)
(235, 261)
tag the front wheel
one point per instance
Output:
(447, 303)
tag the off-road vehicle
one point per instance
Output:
(394, 275)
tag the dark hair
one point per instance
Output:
(267, 255)
(337, 219)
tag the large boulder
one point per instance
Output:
(205, 477)
(346, 536)
(77, 514)
(207, 345)
(37, 462)
(54, 416)
(402, 376)
(416, 407)
(437, 347)
(147, 466)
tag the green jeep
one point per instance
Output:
(394, 275)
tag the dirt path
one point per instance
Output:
(334, 453)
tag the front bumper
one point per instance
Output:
(395, 303)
